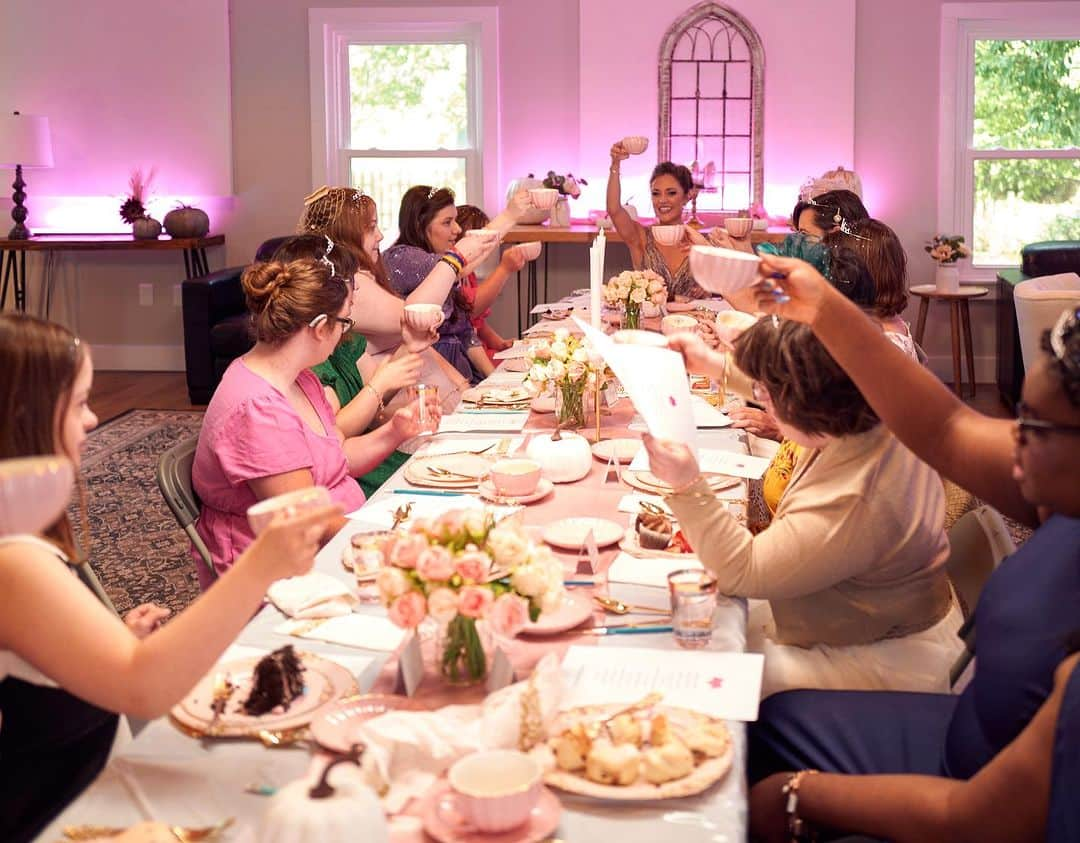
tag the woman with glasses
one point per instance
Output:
(852, 564)
(269, 428)
(1028, 469)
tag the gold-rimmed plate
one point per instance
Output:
(646, 481)
(466, 470)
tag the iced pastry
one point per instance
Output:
(666, 763)
(608, 763)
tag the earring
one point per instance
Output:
(837, 218)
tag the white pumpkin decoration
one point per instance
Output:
(314, 810)
(563, 460)
(533, 216)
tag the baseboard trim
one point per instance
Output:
(985, 368)
(138, 358)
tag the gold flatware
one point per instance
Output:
(652, 508)
(223, 689)
(277, 738)
(503, 447)
(401, 514)
(617, 607)
(447, 474)
(182, 833)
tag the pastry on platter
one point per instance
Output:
(654, 530)
(668, 762)
(572, 747)
(659, 730)
(710, 739)
(609, 763)
(625, 729)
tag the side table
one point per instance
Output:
(959, 319)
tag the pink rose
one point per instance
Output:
(474, 601)
(442, 604)
(408, 610)
(473, 565)
(508, 615)
(407, 549)
(435, 563)
(449, 523)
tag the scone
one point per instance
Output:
(666, 763)
(611, 764)
(659, 730)
(571, 748)
(710, 740)
(625, 729)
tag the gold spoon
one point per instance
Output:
(617, 607)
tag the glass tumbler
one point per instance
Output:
(693, 607)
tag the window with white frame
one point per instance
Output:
(1010, 158)
(398, 100)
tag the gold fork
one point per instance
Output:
(274, 739)
(401, 514)
(446, 474)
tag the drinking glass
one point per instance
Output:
(427, 398)
(367, 558)
(693, 607)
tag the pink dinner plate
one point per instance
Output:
(544, 488)
(336, 728)
(576, 608)
(324, 683)
(442, 821)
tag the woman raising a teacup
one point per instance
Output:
(671, 186)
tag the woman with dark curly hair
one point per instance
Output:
(852, 564)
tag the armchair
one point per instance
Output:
(216, 325)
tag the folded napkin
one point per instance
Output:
(368, 632)
(651, 571)
(313, 595)
(406, 751)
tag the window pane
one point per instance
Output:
(1027, 94)
(409, 96)
(1023, 201)
(386, 179)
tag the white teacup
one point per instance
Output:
(515, 478)
(259, 515)
(495, 790)
(543, 197)
(635, 144)
(721, 270)
(423, 317)
(530, 250)
(667, 235)
(33, 492)
(674, 323)
(489, 233)
(738, 226)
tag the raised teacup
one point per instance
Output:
(259, 515)
(543, 197)
(738, 226)
(531, 250)
(635, 144)
(515, 478)
(33, 492)
(423, 317)
(495, 790)
(667, 235)
(721, 270)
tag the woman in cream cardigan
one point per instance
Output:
(852, 563)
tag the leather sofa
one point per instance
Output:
(217, 329)
(1050, 257)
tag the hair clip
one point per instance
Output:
(845, 228)
(318, 320)
(431, 193)
(325, 259)
(312, 198)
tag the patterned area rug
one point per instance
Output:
(136, 548)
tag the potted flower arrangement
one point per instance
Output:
(631, 289)
(472, 577)
(133, 209)
(946, 250)
(568, 186)
(568, 365)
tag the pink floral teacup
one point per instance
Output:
(495, 790)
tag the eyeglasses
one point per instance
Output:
(322, 317)
(1026, 424)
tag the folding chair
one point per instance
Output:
(174, 480)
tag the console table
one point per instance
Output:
(581, 234)
(13, 256)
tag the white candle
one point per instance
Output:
(596, 277)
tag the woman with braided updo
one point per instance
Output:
(269, 428)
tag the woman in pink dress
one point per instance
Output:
(269, 428)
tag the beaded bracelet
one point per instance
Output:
(378, 397)
(797, 826)
(454, 260)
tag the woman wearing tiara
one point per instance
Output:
(671, 187)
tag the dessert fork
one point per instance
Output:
(446, 474)
(401, 514)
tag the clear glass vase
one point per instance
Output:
(632, 316)
(462, 652)
(570, 405)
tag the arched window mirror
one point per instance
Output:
(712, 70)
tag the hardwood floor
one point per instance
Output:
(117, 392)
(114, 393)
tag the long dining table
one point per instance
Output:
(163, 774)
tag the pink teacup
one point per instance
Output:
(530, 250)
(667, 235)
(423, 317)
(543, 197)
(495, 790)
(738, 226)
(515, 478)
(259, 515)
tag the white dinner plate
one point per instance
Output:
(570, 533)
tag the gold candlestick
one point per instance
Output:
(596, 406)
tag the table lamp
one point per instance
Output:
(24, 142)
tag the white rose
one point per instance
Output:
(508, 546)
(392, 583)
(559, 351)
(637, 296)
(529, 580)
(538, 373)
(580, 355)
(442, 604)
(475, 522)
(556, 370)
(561, 334)
(575, 370)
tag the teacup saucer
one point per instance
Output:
(442, 823)
(542, 490)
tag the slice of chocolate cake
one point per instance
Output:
(278, 680)
(654, 530)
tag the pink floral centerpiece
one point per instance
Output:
(632, 289)
(461, 569)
